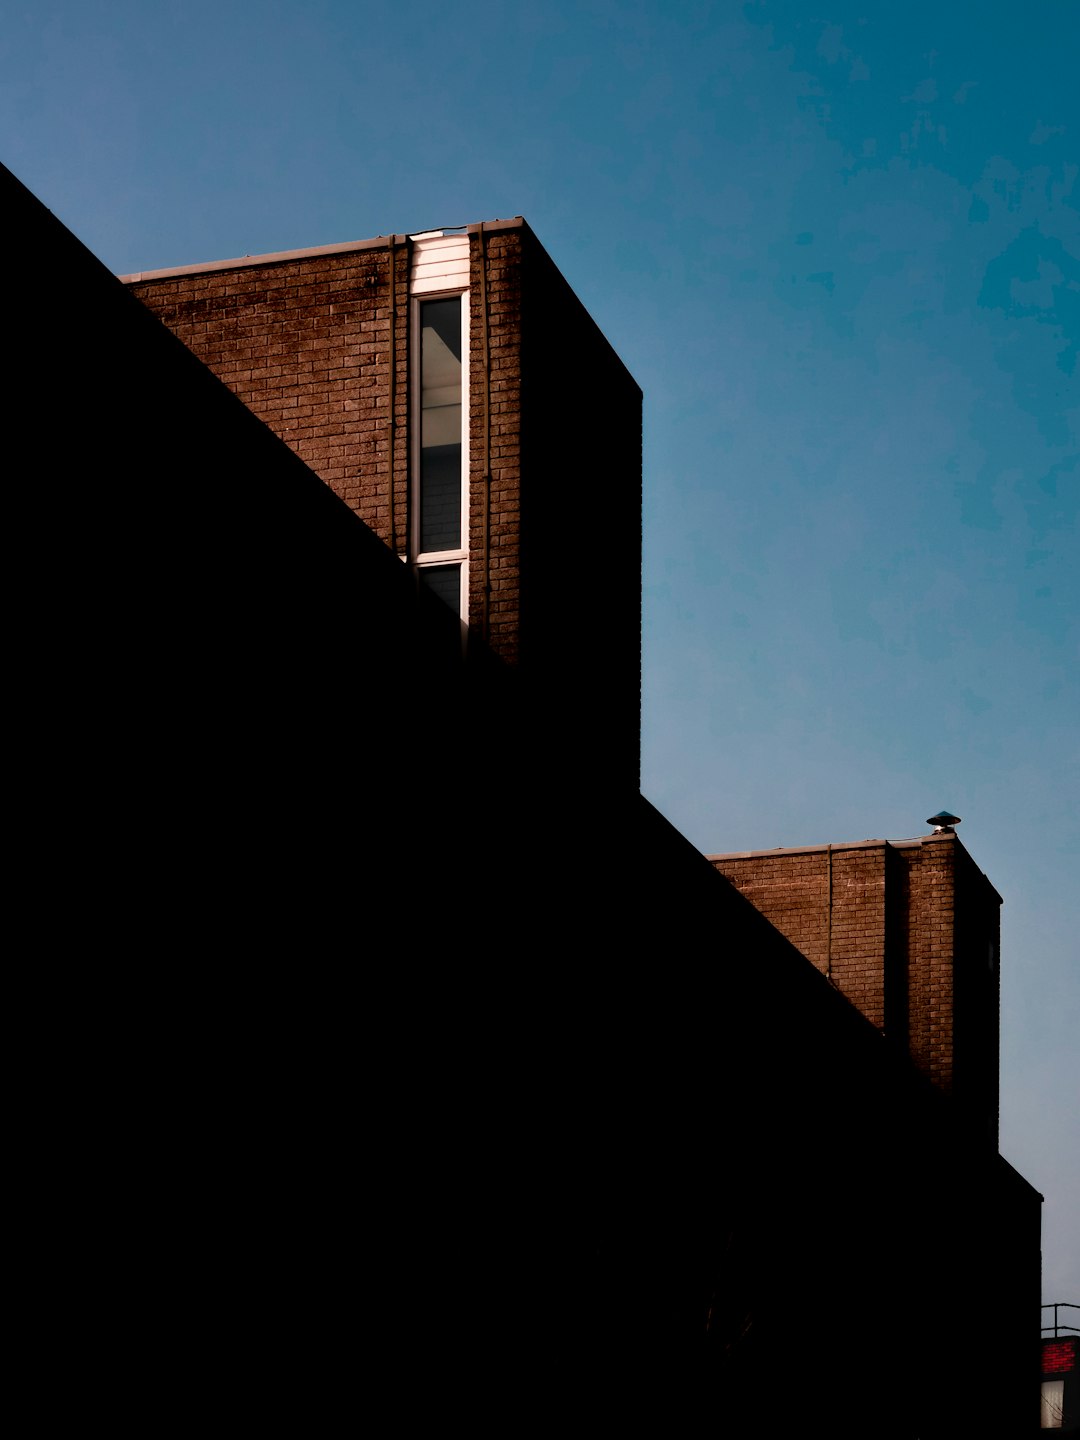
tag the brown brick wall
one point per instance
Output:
(495, 425)
(308, 345)
(858, 929)
(909, 933)
(931, 924)
(953, 973)
(318, 347)
(830, 903)
(792, 892)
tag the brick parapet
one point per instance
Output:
(909, 931)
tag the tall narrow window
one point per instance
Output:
(440, 511)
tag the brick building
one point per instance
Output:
(425, 379)
(909, 931)
(403, 1058)
(418, 376)
(1061, 1377)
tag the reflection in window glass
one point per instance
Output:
(440, 425)
(1053, 1401)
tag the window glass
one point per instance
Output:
(445, 581)
(440, 425)
(1053, 1399)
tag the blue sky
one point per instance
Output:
(838, 244)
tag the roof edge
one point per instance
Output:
(281, 257)
(834, 846)
(949, 837)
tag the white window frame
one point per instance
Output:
(433, 247)
(421, 559)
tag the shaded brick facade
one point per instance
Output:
(909, 932)
(319, 345)
(309, 346)
(295, 1114)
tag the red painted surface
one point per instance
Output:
(1059, 1357)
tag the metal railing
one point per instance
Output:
(1057, 1326)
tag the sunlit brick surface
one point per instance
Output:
(909, 932)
